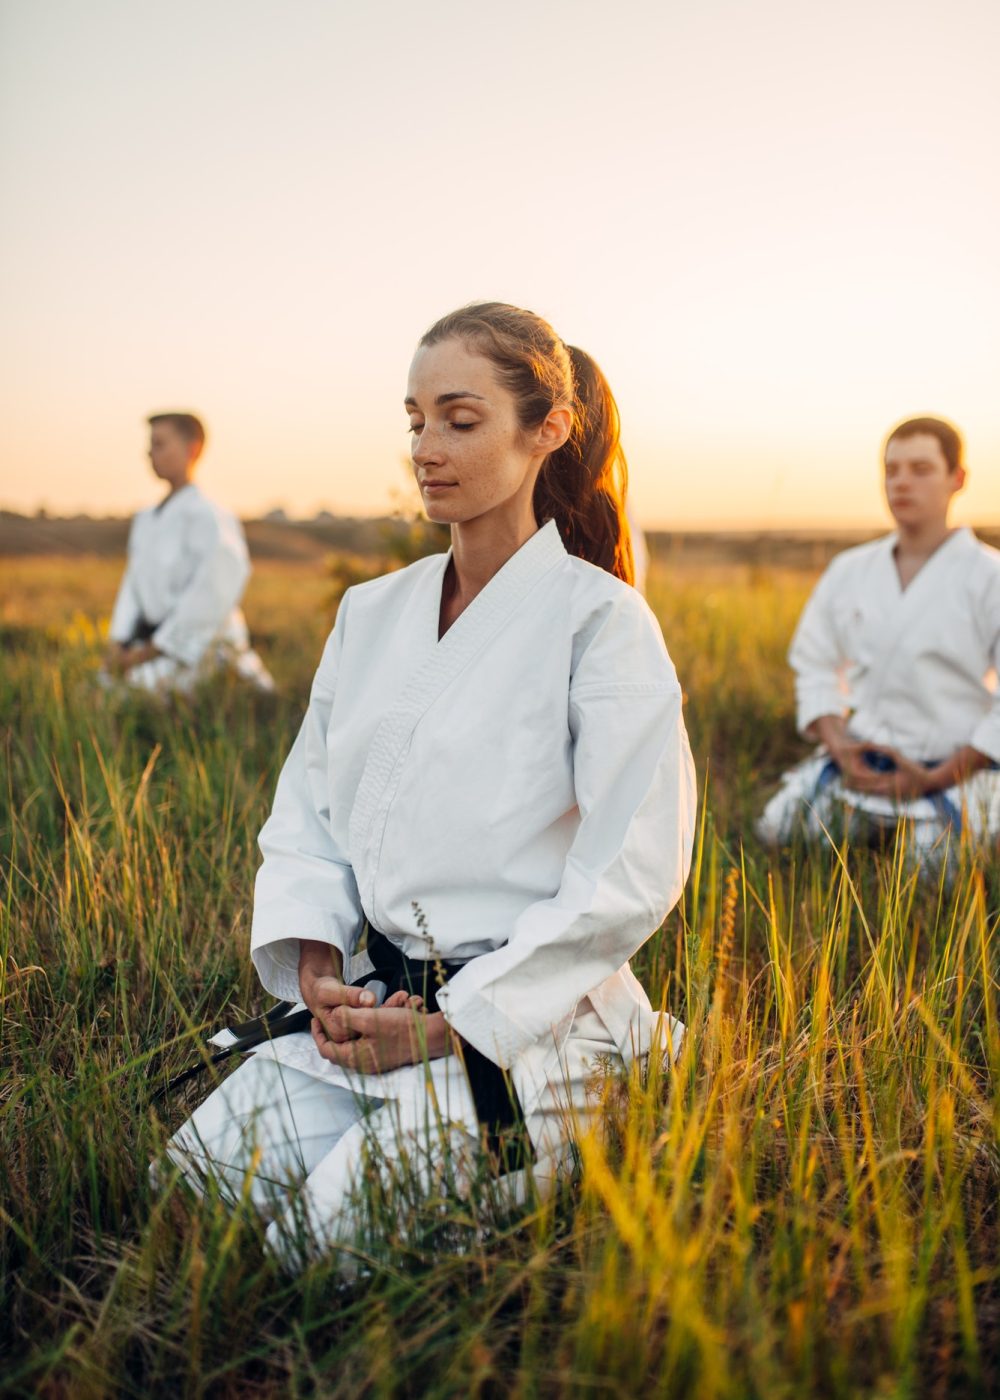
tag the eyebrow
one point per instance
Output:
(447, 398)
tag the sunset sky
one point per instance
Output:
(775, 224)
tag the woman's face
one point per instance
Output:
(470, 456)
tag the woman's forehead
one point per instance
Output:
(450, 367)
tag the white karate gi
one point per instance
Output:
(519, 793)
(914, 669)
(187, 568)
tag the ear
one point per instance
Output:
(554, 430)
(960, 478)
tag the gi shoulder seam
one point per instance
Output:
(594, 689)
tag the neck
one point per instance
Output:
(480, 548)
(921, 540)
(178, 485)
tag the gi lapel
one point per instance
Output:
(930, 577)
(908, 607)
(464, 640)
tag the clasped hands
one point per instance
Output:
(901, 780)
(897, 777)
(350, 1030)
(119, 659)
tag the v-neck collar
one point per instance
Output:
(536, 556)
(164, 505)
(961, 532)
(445, 660)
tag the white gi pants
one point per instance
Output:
(301, 1150)
(811, 801)
(166, 676)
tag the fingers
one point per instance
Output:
(860, 779)
(362, 1021)
(331, 1047)
(402, 998)
(358, 1055)
(331, 992)
(354, 996)
(379, 1022)
(332, 1025)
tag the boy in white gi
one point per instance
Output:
(493, 775)
(895, 658)
(177, 615)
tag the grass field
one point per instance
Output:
(807, 1204)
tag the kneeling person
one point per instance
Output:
(177, 615)
(895, 658)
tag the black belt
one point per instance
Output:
(497, 1106)
(142, 631)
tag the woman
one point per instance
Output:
(493, 772)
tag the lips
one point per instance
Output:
(433, 484)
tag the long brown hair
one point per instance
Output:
(581, 485)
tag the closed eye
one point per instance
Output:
(458, 427)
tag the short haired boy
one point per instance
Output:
(177, 616)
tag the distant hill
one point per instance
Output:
(268, 539)
(789, 549)
(308, 540)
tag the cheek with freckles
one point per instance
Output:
(488, 468)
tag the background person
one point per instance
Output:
(177, 617)
(494, 774)
(895, 659)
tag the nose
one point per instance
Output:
(426, 448)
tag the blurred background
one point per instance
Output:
(773, 224)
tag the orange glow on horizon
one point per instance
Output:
(795, 254)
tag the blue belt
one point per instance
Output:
(943, 806)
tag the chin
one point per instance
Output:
(444, 513)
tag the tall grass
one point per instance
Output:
(805, 1204)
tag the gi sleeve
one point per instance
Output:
(986, 735)
(635, 790)
(127, 609)
(305, 887)
(216, 585)
(818, 659)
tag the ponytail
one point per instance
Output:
(581, 485)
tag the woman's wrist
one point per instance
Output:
(318, 960)
(440, 1036)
